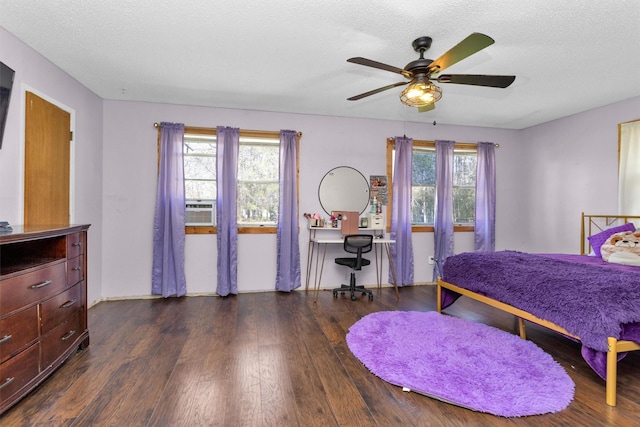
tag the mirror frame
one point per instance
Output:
(334, 182)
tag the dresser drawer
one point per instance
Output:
(25, 289)
(60, 339)
(57, 309)
(75, 245)
(18, 331)
(75, 270)
(15, 373)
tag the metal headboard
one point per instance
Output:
(593, 224)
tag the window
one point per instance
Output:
(199, 166)
(258, 186)
(258, 177)
(464, 186)
(628, 166)
(423, 191)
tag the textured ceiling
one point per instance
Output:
(290, 55)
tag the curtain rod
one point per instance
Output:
(392, 138)
(156, 124)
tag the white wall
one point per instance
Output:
(36, 74)
(571, 167)
(130, 157)
(547, 175)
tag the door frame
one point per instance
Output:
(72, 150)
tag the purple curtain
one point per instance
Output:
(288, 269)
(402, 250)
(485, 217)
(167, 277)
(443, 222)
(228, 141)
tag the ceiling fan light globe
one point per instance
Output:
(420, 94)
(415, 92)
(427, 97)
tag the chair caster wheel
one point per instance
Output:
(353, 297)
(370, 297)
(335, 294)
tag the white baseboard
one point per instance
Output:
(213, 294)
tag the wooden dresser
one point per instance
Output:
(43, 304)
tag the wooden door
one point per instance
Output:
(47, 163)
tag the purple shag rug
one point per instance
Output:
(461, 362)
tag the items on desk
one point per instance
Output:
(5, 227)
(349, 223)
(335, 217)
(315, 220)
(376, 206)
(376, 221)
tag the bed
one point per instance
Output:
(603, 315)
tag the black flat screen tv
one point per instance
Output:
(6, 84)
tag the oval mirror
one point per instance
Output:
(344, 189)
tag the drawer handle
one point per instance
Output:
(69, 303)
(77, 268)
(68, 335)
(41, 285)
(77, 244)
(7, 382)
(5, 339)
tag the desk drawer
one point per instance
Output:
(18, 331)
(18, 371)
(25, 289)
(376, 221)
(57, 309)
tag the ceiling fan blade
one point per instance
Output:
(426, 108)
(477, 80)
(379, 65)
(467, 47)
(373, 92)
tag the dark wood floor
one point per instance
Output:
(273, 359)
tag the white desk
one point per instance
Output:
(316, 243)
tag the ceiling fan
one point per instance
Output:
(421, 91)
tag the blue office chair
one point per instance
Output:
(355, 244)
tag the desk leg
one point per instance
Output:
(310, 248)
(378, 267)
(393, 269)
(309, 263)
(318, 279)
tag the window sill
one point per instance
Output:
(274, 230)
(430, 229)
(241, 230)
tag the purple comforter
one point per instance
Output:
(586, 296)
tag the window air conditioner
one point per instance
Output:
(200, 212)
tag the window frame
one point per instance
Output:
(430, 144)
(244, 229)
